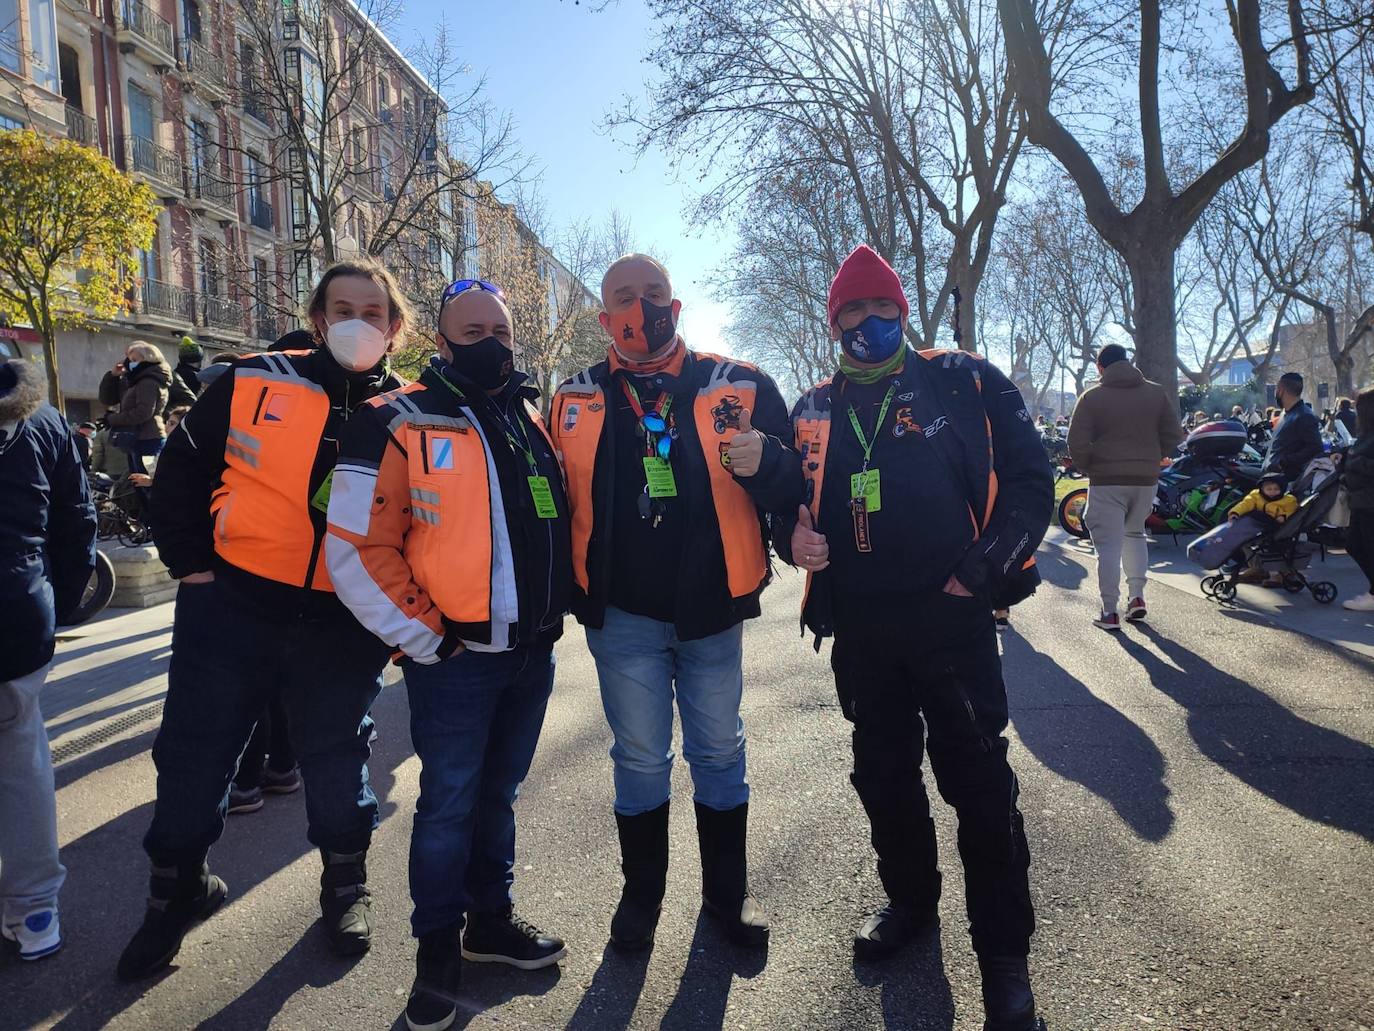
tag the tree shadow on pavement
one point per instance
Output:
(1318, 773)
(609, 1002)
(1080, 737)
(704, 991)
(106, 890)
(916, 991)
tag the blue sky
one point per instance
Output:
(558, 68)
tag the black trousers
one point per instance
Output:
(269, 747)
(933, 676)
(1359, 542)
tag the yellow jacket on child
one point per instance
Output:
(1280, 508)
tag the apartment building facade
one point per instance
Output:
(190, 97)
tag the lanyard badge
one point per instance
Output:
(658, 435)
(865, 491)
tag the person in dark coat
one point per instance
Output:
(189, 359)
(138, 386)
(1297, 438)
(47, 552)
(1357, 469)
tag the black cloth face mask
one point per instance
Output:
(488, 363)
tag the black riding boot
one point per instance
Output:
(724, 874)
(345, 902)
(644, 861)
(1007, 997)
(177, 898)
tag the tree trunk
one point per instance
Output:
(1343, 360)
(1156, 331)
(42, 321)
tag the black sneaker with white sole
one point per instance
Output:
(244, 800)
(433, 1002)
(507, 938)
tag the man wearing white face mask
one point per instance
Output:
(241, 494)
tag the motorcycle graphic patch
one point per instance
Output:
(727, 413)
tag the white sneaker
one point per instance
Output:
(37, 932)
(1361, 603)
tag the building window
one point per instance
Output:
(43, 45)
(191, 20)
(70, 67)
(210, 283)
(10, 45)
(383, 91)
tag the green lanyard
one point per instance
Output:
(665, 401)
(865, 442)
(516, 444)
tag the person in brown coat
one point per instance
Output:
(138, 388)
(1121, 430)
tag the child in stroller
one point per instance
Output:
(1279, 548)
(1269, 499)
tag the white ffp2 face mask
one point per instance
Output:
(355, 344)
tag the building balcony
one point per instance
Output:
(221, 313)
(211, 195)
(204, 72)
(162, 304)
(253, 99)
(144, 32)
(82, 128)
(260, 214)
(160, 168)
(267, 328)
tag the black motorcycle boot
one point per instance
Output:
(178, 897)
(644, 862)
(725, 877)
(1008, 1001)
(345, 902)
(892, 928)
(433, 1002)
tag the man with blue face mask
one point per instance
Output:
(927, 491)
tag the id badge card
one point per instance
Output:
(320, 502)
(658, 474)
(542, 493)
(867, 486)
(862, 541)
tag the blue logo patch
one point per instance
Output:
(441, 453)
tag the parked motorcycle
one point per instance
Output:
(1196, 491)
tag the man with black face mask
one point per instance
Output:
(448, 538)
(927, 494)
(673, 457)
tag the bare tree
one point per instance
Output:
(1272, 43)
(903, 103)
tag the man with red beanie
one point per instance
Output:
(927, 490)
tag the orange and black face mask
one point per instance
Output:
(643, 330)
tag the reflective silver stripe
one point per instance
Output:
(243, 438)
(424, 515)
(405, 404)
(239, 453)
(429, 497)
(242, 375)
(283, 365)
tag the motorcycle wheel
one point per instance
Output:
(1293, 585)
(1071, 513)
(99, 590)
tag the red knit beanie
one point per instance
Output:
(862, 275)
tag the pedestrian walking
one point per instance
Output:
(137, 388)
(239, 504)
(1357, 468)
(1297, 436)
(673, 458)
(449, 539)
(47, 549)
(898, 450)
(1122, 429)
(1346, 415)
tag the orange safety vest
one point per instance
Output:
(261, 509)
(578, 420)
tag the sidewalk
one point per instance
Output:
(1170, 565)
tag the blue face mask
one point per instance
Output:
(131, 366)
(872, 340)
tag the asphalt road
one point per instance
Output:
(1198, 793)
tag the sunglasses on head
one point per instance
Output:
(462, 286)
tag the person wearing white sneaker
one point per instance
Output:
(1121, 430)
(1357, 469)
(47, 549)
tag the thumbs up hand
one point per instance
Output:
(746, 448)
(809, 548)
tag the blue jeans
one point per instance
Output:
(228, 657)
(475, 719)
(639, 661)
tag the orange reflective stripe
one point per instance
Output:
(262, 515)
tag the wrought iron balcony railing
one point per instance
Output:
(143, 156)
(82, 128)
(142, 20)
